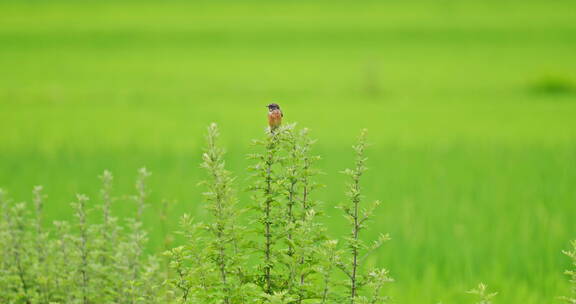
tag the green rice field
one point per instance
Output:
(470, 107)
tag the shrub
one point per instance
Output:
(77, 261)
(357, 216)
(286, 256)
(276, 251)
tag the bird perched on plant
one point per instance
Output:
(274, 116)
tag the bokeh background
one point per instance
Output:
(470, 105)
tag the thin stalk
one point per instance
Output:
(40, 240)
(16, 230)
(268, 201)
(352, 212)
(80, 207)
(267, 219)
(293, 178)
(356, 231)
(290, 214)
(305, 181)
(220, 203)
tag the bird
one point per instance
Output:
(274, 116)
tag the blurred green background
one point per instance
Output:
(471, 107)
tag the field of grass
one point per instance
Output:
(475, 165)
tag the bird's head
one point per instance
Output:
(273, 106)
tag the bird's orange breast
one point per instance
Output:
(274, 118)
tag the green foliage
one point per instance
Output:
(77, 261)
(572, 274)
(278, 251)
(210, 267)
(484, 296)
(285, 256)
(358, 216)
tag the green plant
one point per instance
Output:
(267, 190)
(77, 262)
(358, 216)
(210, 267)
(572, 274)
(286, 214)
(484, 296)
(286, 257)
